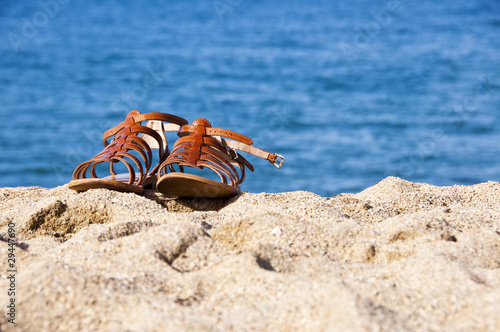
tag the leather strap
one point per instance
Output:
(218, 132)
(138, 118)
(251, 149)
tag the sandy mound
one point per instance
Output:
(397, 256)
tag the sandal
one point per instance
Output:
(126, 147)
(201, 146)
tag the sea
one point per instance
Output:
(348, 92)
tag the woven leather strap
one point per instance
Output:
(127, 140)
(201, 146)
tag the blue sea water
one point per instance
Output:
(350, 92)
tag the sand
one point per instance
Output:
(396, 256)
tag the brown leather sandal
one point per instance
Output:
(126, 147)
(201, 146)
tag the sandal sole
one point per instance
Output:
(86, 184)
(189, 185)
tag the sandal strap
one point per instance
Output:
(275, 159)
(201, 146)
(138, 118)
(126, 138)
(209, 131)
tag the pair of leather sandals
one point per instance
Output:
(199, 146)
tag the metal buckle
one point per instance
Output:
(279, 163)
(228, 149)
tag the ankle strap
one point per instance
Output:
(275, 159)
(138, 118)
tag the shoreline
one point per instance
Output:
(398, 255)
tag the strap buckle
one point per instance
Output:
(234, 153)
(279, 161)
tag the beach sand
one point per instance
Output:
(396, 256)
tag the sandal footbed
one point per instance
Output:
(189, 185)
